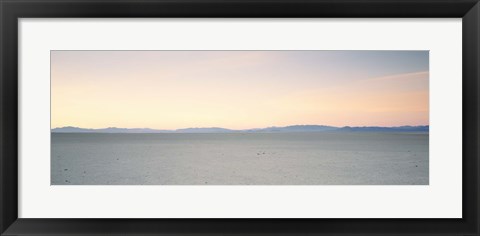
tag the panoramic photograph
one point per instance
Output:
(286, 117)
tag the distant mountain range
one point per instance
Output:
(286, 129)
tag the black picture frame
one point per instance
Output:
(12, 10)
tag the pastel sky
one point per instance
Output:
(238, 89)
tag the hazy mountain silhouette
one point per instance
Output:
(423, 128)
(70, 129)
(286, 129)
(204, 130)
(295, 128)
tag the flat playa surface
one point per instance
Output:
(320, 158)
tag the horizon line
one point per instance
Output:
(266, 127)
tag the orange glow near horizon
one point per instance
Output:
(238, 89)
